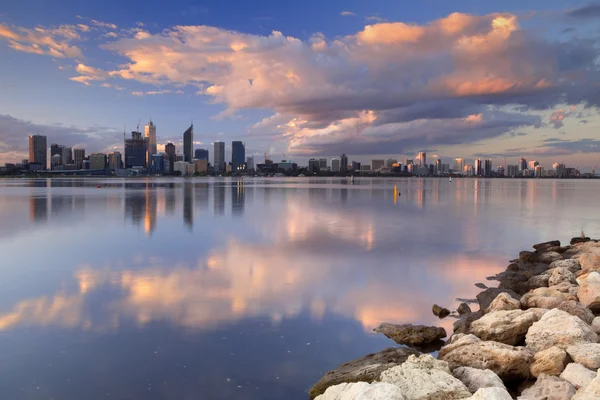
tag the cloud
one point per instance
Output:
(374, 18)
(588, 11)
(347, 14)
(102, 24)
(157, 92)
(55, 42)
(556, 118)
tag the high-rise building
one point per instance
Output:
(114, 160)
(376, 164)
(56, 149)
(512, 170)
(522, 164)
(343, 163)
(238, 154)
(478, 167)
(355, 166)
(219, 157)
(560, 170)
(157, 163)
(422, 159)
(487, 167)
(181, 167)
(67, 156)
(201, 154)
(322, 164)
(532, 165)
(313, 165)
(97, 161)
(38, 152)
(188, 144)
(468, 170)
(201, 166)
(250, 163)
(459, 166)
(539, 171)
(335, 165)
(170, 150)
(150, 135)
(438, 167)
(55, 161)
(135, 151)
(78, 156)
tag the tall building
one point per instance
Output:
(38, 152)
(157, 164)
(67, 156)
(238, 154)
(55, 161)
(478, 167)
(522, 164)
(459, 165)
(170, 150)
(344, 163)
(335, 165)
(487, 167)
(114, 160)
(539, 171)
(376, 164)
(422, 159)
(438, 167)
(250, 163)
(56, 149)
(97, 161)
(532, 165)
(322, 164)
(313, 165)
(512, 170)
(355, 166)
(188, 144)
(78, 156)
(150, 135)
(201, 166)
(135, 151)
(201, 154)
(219, 157)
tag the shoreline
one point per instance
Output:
(535, 335)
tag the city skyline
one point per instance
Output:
(536, 101)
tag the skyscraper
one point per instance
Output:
(114, 160)
(219, 157)
(522, 164)
(201, 154)
(438, 167)
(459, 166)
(250, 162)
(422, 159)
(188, 144)
(150, 135)
(487, 167)
(170, 150)
(478, 167)
(38, 150)
(238, 154)
(97, 161)
(67, 156)
(135, 150)
(532, 165)
(323, 164)
(343, 163)
(335, 164)
(79, 155)
(56, 149)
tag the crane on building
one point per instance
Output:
(137, 128)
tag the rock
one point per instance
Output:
(544, 245)
(544, 298)
(558, 249)
(590, 260)
(508, 362)
(475, 379)
(551, 361)
(528, 256)
(549, 257)
(570, 264)
(367, 368)
(486, 297)
(596, 325)
(566, 288)
(558, 328)
(440, 312)
(548, 388)
(491, 393)
(458, 340)
(577, 309)
(538, 281)
(411, 335)
(425, 378)
(481, 285)
(560, 275)
(576, 240)
(503, 302)
(591, 391)
(507, 327)
(463, 323)
(463, 309)
(362, 391)
(587, 354)
(577, 375)
(589, 290)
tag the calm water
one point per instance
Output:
(214, 289)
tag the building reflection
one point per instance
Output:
(38, 208)
(237, 198)
(188, 205)
(151, 210)
(219, 199)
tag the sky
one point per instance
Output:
(302, 79)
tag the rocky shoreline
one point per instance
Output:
(534, 337)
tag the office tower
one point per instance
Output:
(487, 167)
(201, 154)
(38, 150)
(219, 157)
(335, 165)
(238, 155)
(150, 135)
(97, 161)
(459, 165)
(468, 170)
(67, 156)
(250, 163)
(539, 171)
(478, 167)
(522, 164)
(446, 168)
(512, 170)
(389, 163)
(54, 150)
(344, 163)
(170, 151)
(157, 165)
(201, 166)
(532, 165)
(55, 161)
(323, 164)
(313, 165)
(438, 167)
(376, 164)
(422, 159)
(78, 156)
(135, 151)
(114, 160)
(188, 144)
(355, 166)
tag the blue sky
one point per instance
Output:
(371, 79)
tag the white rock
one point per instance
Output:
(548, 388)
(596, 325)
(507, 327)
(589, 290)
(590, 260)
(570, 264)
(491, 393)
(503, 302)
(577, 375)
(587, 354)
(558, 328)
(475, 379)
(362, 391)
(545, 298)
(591, 391)
(560, 275)
(551, 361)
(425, 378)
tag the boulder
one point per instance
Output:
(538, 281)
(486, 297)
(558, 249)
(548, 388)
(366, 368)
(475, 379)
(544, 245)
(503, 302)
(590, 260)
(411, 335)
(463, 309)
(570, 264)
(596, 325)
(507, 327)
(528, 256)
(591, 391)
(362, 391)
(576, 240)
(558, 328)
(551, 361)
(577, 375)
(549, 257)
(440, 312)
(481, 285)
(544, 298)
(560, 275)
(589, 290)
(463, 323)
(458, 340)
(577, 309)
(425, 378)
(587, 354)
(508, 362)
(491, 393)
(566, 288)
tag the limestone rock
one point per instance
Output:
(560, 275)
(577, 309)
(589, 290)
(558, 328)
(569, 289)
(590, 260)
(570, 264)
(503, 302)
(548, 388)
(475, 379)
(549, 257)
(551, 361)
(458, 340)
(507, 327)
(538, 281)
(577, 375)
(462, 324)
(411, 335)
(508, 362)
(366, 368)
(362, 391)
(425, 378)
(491, 393)
(587, 354)
(596, 325)
(463, 309)
(544, 298)
(440, 312)
(591, 391)
(486, 297)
